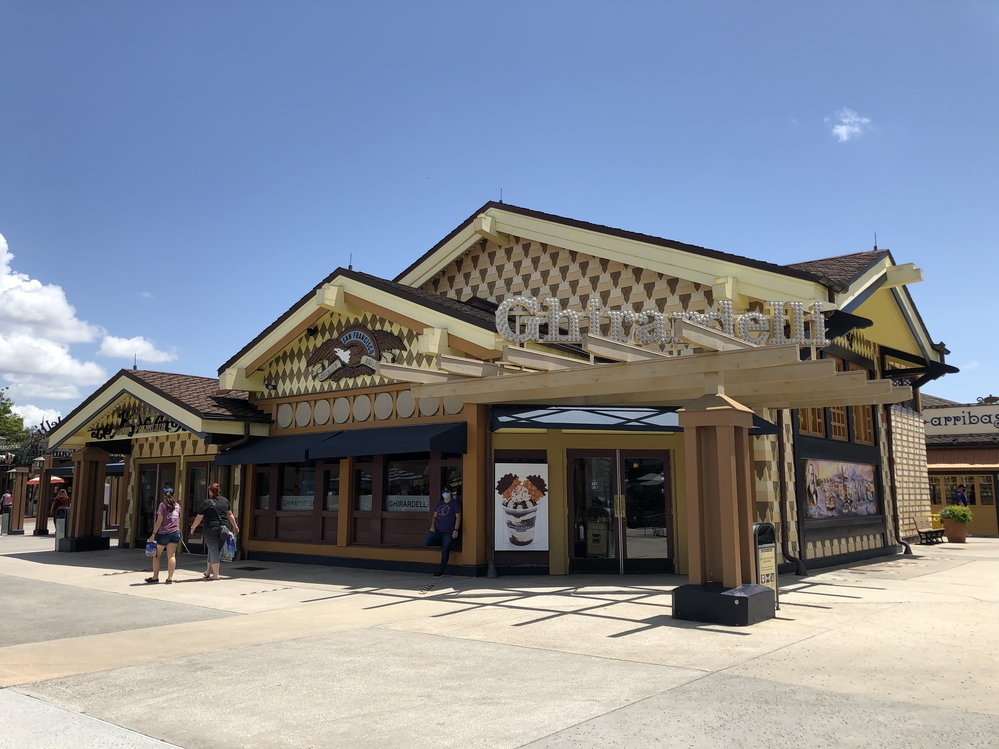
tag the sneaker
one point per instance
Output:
(152, 580)
(439, 573)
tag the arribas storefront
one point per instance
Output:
(580, 388)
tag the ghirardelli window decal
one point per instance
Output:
(354, 353)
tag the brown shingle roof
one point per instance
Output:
(932, 401)
(200, 395)
(961, 440)
(841, 271)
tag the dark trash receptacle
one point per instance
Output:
(5, 522)
(61, 524)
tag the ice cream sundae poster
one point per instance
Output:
(839, 490)
(521, 506)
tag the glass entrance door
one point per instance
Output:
(620, 511)
(153, 479)
(196, 489)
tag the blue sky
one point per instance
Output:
(173, 176)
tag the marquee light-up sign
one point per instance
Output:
(782, 324)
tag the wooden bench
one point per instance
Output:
(928, 535)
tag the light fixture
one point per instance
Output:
(270, 386)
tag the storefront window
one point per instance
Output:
(263, 491)
(451, 480)
(950, 488)
(986, 491)
(838, 424)
(812, 421)
(331, 489)
(408, 484)
(936, 491)
(298, 488)
(364, 485)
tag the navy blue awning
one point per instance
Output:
(421, 438)
(60, 471)
(290, 449)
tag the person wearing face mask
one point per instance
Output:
(444, 527)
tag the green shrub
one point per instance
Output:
(957, 513)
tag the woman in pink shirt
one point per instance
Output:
(166, 534)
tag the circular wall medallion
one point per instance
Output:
(383, 406)
(362, 408)
(321, 413)
(453, 404)
(284, 415)
(303, 414)
(405, 404)
(429, 406)
(341, 410)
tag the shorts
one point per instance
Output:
(162, 539)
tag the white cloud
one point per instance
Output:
(146, 294)
(969, 366)
(38, 325)
(27, 306)
(847, 124)
(139, 347)
(33, 416)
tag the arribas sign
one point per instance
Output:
(782, 323)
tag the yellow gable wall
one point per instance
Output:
(289, 372)
(890, 327)
(536, 269)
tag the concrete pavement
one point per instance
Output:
(895, 653)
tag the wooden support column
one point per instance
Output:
(19, 490)
(86, 532)
(721, 560)
(44, 495)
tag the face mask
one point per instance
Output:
(447, 495)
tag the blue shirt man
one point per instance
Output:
(959, 497)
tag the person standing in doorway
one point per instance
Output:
(166, 534)
(960, 498)
(444, 527)
(217, 515)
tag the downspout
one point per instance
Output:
(785, 527)
(894, 491)
(241, 441)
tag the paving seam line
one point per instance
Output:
(88, 717)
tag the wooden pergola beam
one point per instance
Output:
(542, 360)
(612, 376)
(607, 348)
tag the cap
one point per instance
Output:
(168, 490)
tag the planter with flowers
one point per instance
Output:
(955, 519)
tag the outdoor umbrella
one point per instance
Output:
(52, 480)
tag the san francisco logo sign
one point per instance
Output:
(354, 353)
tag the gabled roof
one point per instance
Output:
(613, 232)
(192, 401)
(840, 272)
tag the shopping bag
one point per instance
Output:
(150, 548)
(228, 552)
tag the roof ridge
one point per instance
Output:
(839, 257)
(622, 233)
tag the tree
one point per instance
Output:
(12, 427)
